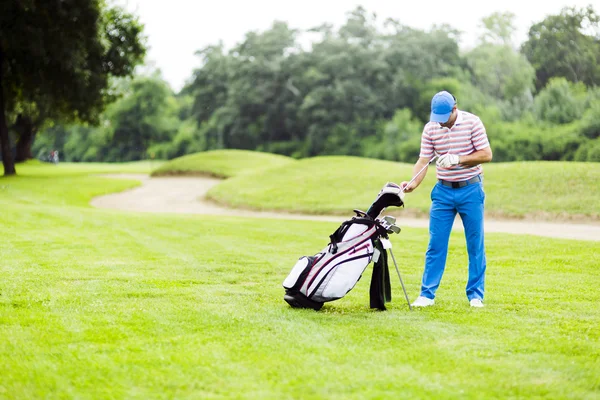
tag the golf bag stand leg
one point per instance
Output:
(401, 282)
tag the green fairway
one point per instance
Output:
(222, 163)
(39, 169)
(65, 183)
(100, 304)
(337, 184)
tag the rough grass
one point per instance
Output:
(96, 304)
(222, 163)
(37, 168)
(337, 184)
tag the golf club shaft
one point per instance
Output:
(420, 172)
(401, 282)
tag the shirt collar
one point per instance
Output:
(459, 117)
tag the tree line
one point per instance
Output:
(58, 60)
(362, 89)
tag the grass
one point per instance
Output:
(40, 169)
(544, 188)
(337, 184)
(222, 163)
(99, 304)
(66, 184)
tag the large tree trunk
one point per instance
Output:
(26, 131)
(7, 160)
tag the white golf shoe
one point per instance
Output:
(422, 301)
(476, 303)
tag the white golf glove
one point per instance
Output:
(447, 160)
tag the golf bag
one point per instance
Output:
(330, 274)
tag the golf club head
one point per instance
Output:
(389, 219)
(390, 195)
(388, 223)
(394, 229)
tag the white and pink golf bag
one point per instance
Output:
(334, 271)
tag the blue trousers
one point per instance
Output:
(468, 201)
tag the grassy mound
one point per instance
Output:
(543, 189)
(339, 184)
(222, 163)
(315, 185)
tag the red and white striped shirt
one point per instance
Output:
(466, 136)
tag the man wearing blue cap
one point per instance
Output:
(460, 140)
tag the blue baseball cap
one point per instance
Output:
(441, 107)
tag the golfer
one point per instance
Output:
(460, 141)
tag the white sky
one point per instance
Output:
(177, 28)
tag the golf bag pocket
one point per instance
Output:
(343, 276)
(329, 275)
(293, 280)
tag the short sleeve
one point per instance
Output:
(426, 145)
(479, 136)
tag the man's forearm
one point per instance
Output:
(419, 165)
(476, 158)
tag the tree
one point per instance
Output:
(143, 120)
(499, 28)
(414, 58)
(497, 68)
(146, 115)
(268, 93)
(57, 57)
(344, 85)
(209, 83)
(590, 123)
(502, 73)
(26, 130)
(561, 101)
(241, 98)
(558, 46)
(398, 139)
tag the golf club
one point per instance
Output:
(391, 220)
(388, 222)
(421, 171)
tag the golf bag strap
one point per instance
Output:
(380, 291)
(338, 235)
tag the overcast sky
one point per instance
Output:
(177, 28)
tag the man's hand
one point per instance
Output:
(394, 188)
(397, 189)
(419, 172)
(406, 188)
(448, 160)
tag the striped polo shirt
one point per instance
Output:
(466, 136)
